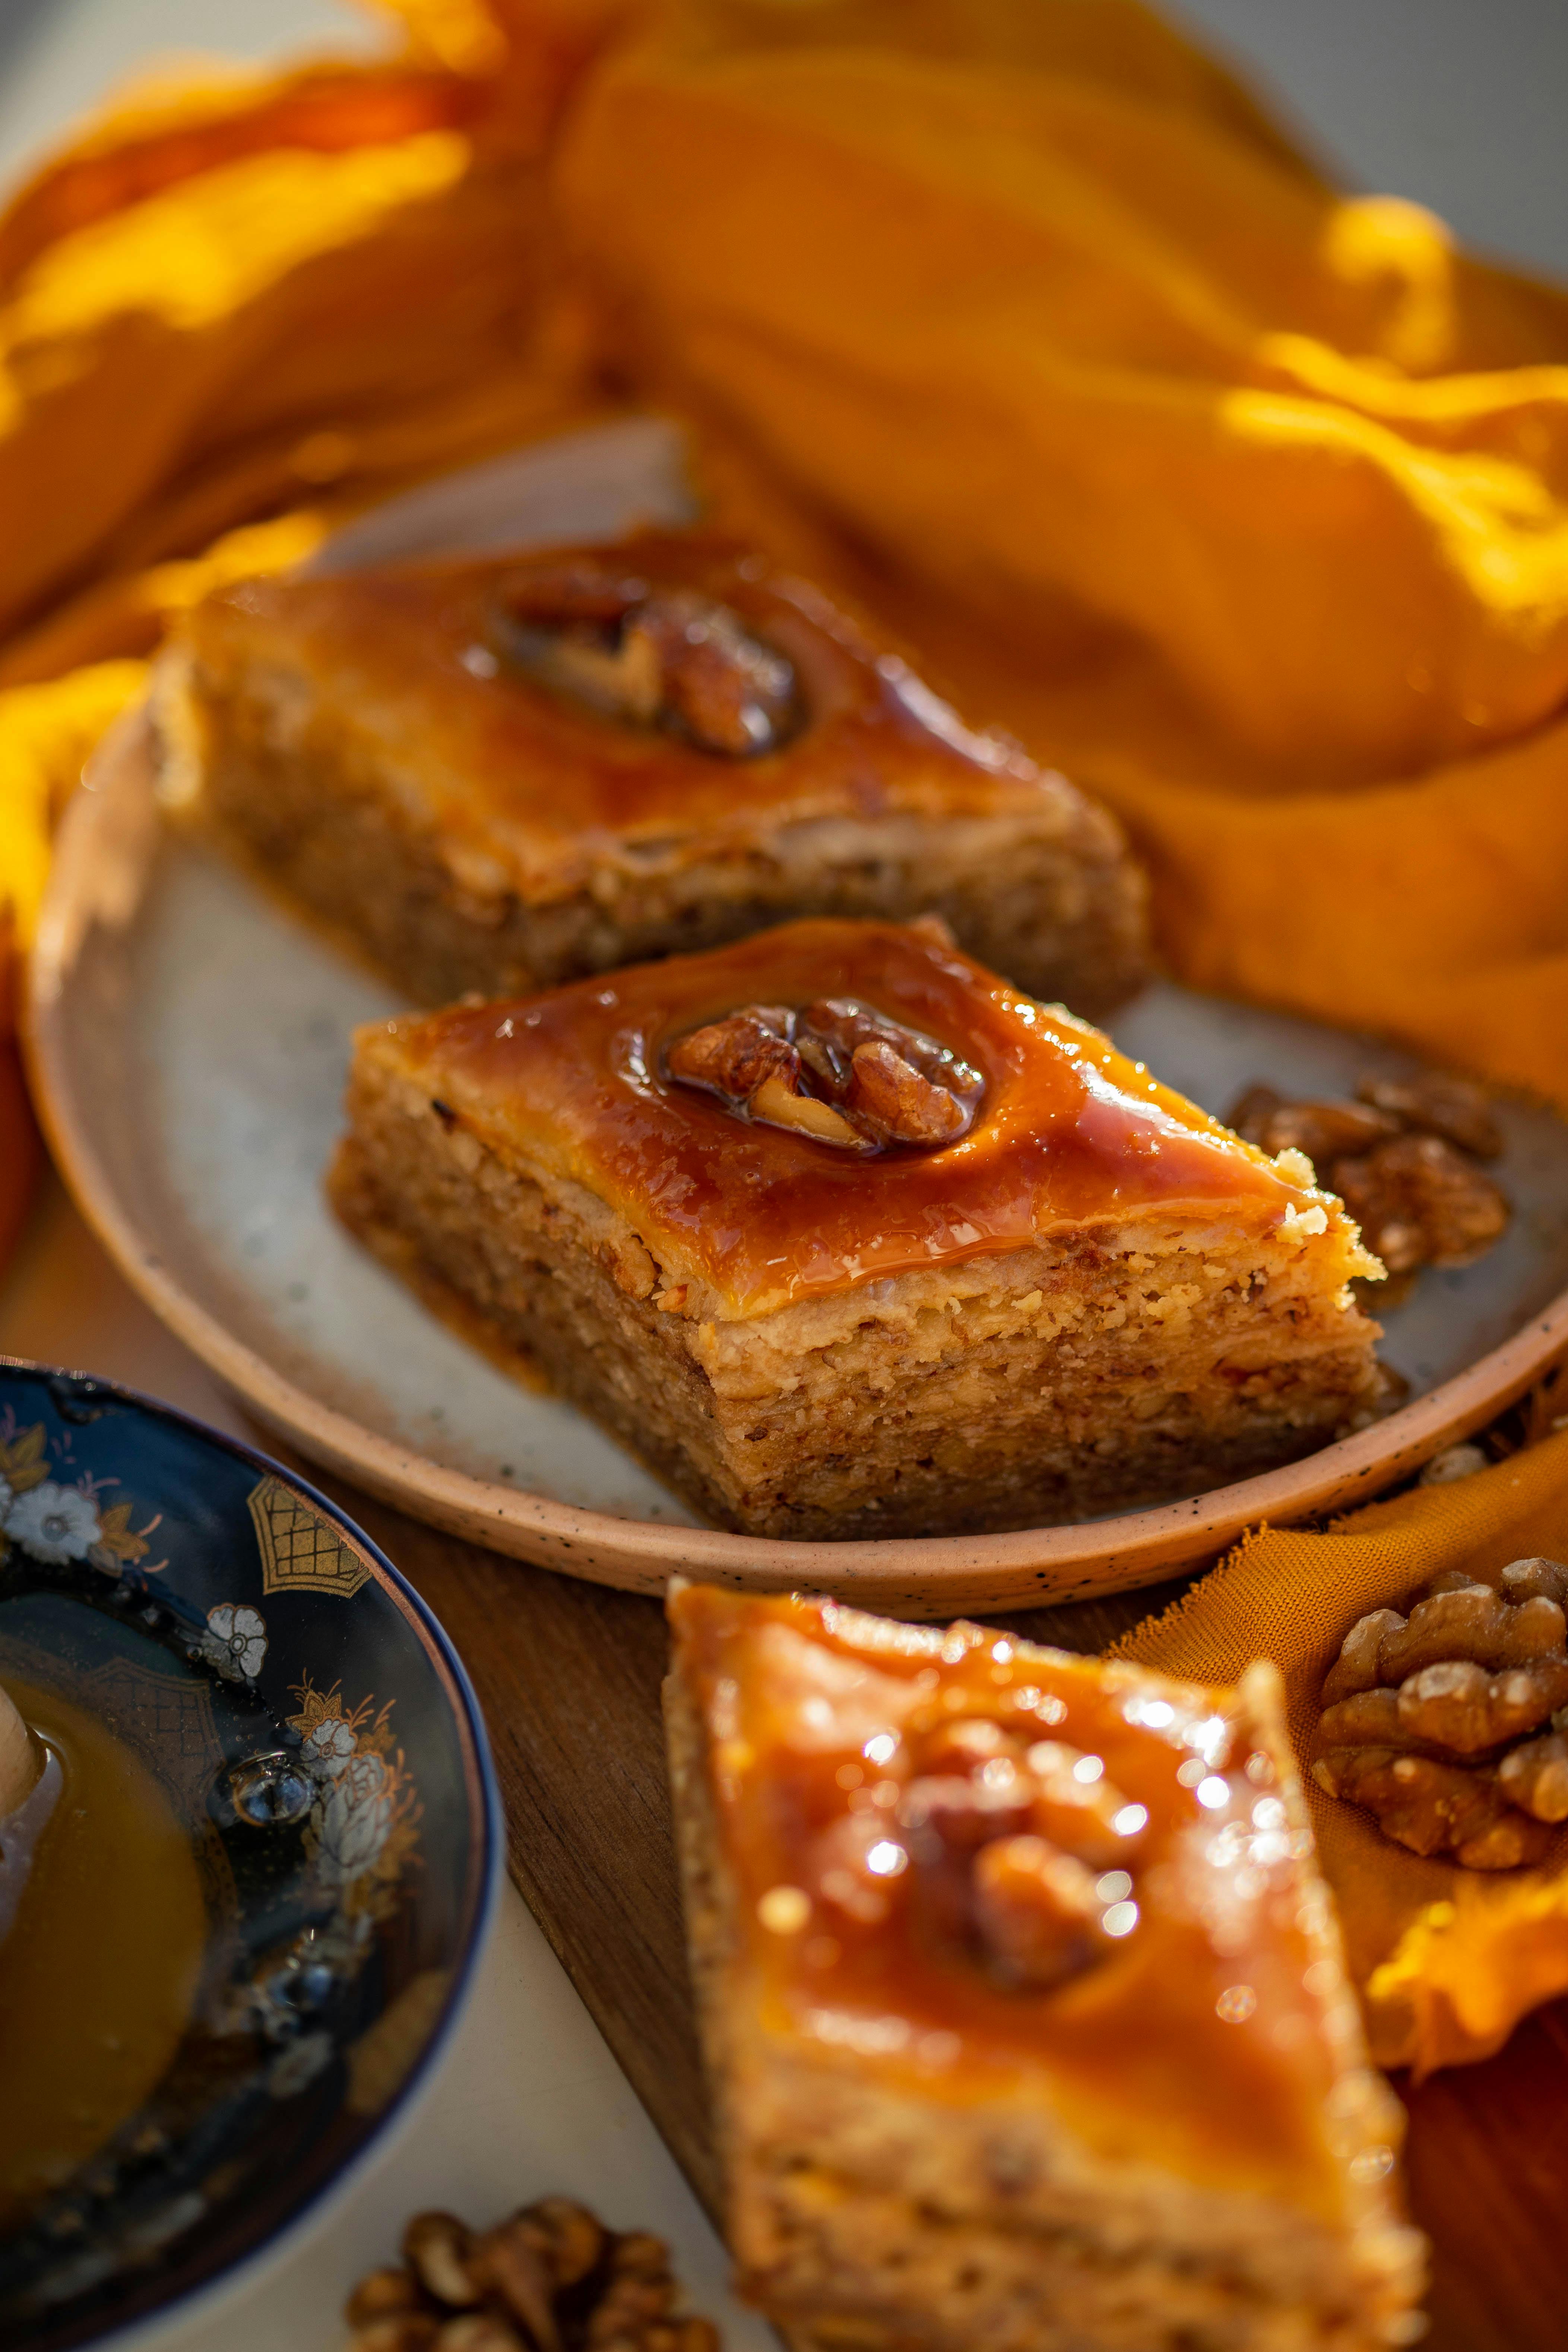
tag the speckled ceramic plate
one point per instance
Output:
(189, 1042)
(310, 1725)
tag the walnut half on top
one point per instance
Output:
(837, 1071)
(657, 658)
(1451, 1725)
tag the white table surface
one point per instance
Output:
(1454, 102)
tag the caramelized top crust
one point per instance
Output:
(416, 658)
(867, 1817)
(1067, 1132)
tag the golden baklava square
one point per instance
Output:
(1022, 1999)
(501, 774)
(847, 1237)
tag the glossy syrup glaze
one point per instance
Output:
(1202, 2035)
(1068, 1131)
(410, 656)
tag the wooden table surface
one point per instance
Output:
(569, 1676)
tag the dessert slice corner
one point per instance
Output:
(1022, 1997)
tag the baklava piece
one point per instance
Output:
(1022, 1999)
(846, 1237)
(501, 775)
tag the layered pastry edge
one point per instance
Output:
(413, 803)
(880, 2196)
(1042, 1373)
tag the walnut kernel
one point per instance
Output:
(1420, 1203)
(1402, 1158)
(1432, 1807)
(435, 2248)
(650, 656)
(1009, 1840)
(385, 2295)
(1438, 1103)
(549, 2279)
(1036, 1909)
(837, 1071)
(1449, 1724)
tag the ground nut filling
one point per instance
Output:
(836, 1070)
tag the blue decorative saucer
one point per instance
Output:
(307, 1718)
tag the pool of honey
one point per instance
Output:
(100, 1968)
(1068, 1130)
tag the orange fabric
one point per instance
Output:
(1447, 1959)
(1245, 502)
(232, 308)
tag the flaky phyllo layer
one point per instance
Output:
(1022, 2001)
(1091, 1296)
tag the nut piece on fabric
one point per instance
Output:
(1534, 1776)
(1452, 1464)
(1450, 1725)
(1434, 1808)
(1523, 1579)
(1460, 1706)
(1359, 1663)
(1475, 1622)
(1369, 1719)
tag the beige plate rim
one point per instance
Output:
(929, 1576)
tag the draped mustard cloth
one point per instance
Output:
(1242, 500)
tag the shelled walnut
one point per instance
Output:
(659, 657)
(1403, 1158)
(835, 1070)
(1449, 1725)
(1017, 1851)
(550, 2279)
